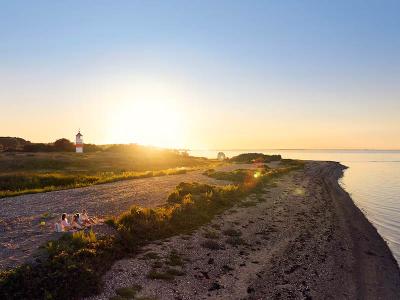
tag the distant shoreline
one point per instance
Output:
(297, 149)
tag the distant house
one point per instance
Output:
(79, 142)
(221, 156)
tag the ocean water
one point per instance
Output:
(372, 180)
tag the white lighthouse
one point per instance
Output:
(79, 142)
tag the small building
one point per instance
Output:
(221, 156)
(79, 142)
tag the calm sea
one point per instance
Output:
(372, 179)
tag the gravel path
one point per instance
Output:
(21, 234)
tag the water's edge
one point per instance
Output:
(361, 210)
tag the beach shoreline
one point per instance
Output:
(304, 239)
(377, 274)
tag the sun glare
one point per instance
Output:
(148, 122)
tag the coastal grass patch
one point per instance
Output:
(255, 158)
(31, 183)
(174, 259)
(235, 241)
(216, 226)
(150, 255)
(155, 274)
(73, 266)
(247, 203)
(235, 176)
(128, 292)
(261, 199)
(157, 264)
(189, 206)
(211, 234)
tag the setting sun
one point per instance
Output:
(149, 122)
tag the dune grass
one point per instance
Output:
(27, 173)
(236, 176)
(73, 265)
(21, 184)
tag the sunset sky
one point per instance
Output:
(202, 74)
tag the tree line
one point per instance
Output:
(13, 144)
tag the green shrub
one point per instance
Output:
(73, 268)
(254, 157)
(110, 222)
(174, 259)
(154, 274)
(236, 176)
(128, 292)
(150, 255)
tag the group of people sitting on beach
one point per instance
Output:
(79, 221)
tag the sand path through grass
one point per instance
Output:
(20, 230)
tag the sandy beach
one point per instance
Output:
(303, 239)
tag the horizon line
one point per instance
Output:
(298, 149)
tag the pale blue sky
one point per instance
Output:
(320, 73)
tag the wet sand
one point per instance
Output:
(303, 239)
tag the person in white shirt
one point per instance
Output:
(84, 219)
(75, 222)
(65, 226)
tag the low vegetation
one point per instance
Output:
(128, 292)
(150, 255)
(20, 184)
(235, 176)
(26, 173)
(174, 259)
(211, 244)
(211, 234)
(254, 157)
(72, 266)
(247, 203)
(235, 241)
(155, 274)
